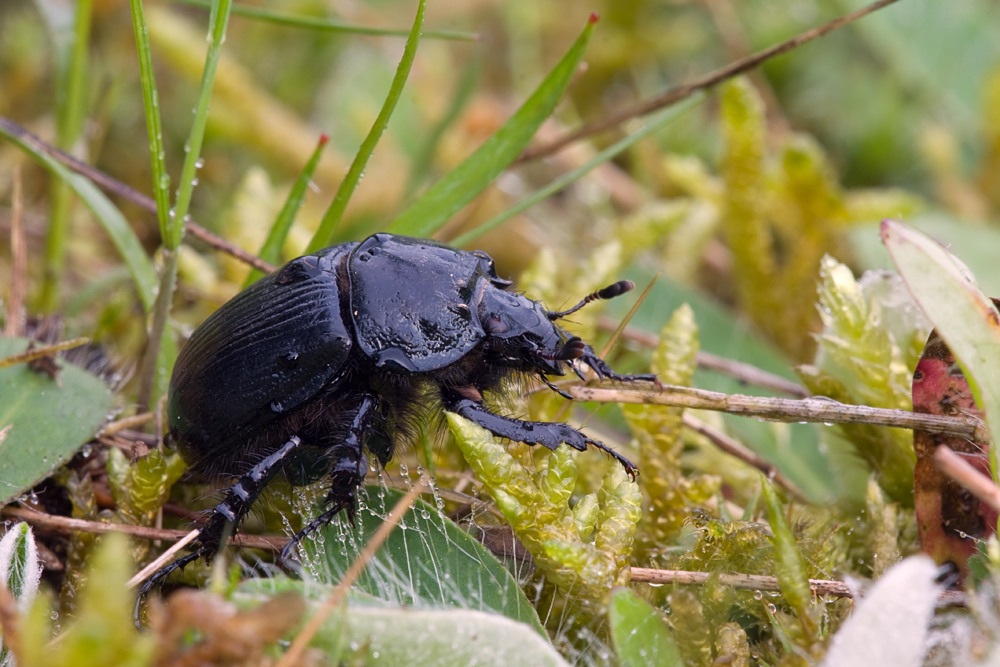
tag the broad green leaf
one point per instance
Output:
(640, 636)
(107, 214)
(48, 422)
(975, 244)
(460, 186)
(427, 562)
(962, 315)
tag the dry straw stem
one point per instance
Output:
(711, 80)
(162, 559)
(952, 464)
(19, 257)
(818, 410)
(39, 352)
(357, 567)
(130, 194)
(735, 448)
(756, 582)
(127, 423)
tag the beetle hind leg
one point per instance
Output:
(346, 474)
(230, 512)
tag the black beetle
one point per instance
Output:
(332, 355)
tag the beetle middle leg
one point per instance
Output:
(231, 511)
(547, 434)
(347, 473)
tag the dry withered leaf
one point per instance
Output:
(950, 520)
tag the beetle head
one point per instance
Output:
(527, 337)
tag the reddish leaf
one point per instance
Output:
(950, 520)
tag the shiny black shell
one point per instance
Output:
(405, 304)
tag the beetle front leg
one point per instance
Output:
(604, 371)
(230, 512)
(549, 435)
(350, 465)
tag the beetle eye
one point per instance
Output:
(494, 325)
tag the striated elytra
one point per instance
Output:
(328, 360)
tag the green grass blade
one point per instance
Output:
(217, 31)
(654, 124)
(327, 227)
(461, 185)
(154, 128)
(331, 25)
(71, 71)
(271, 250)
(114, 223)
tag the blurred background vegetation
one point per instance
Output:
(736, 203)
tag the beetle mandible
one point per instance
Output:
(325, 362)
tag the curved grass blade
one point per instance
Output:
(271, 250)
(327, 226)
(462, 184)
(331, 25)
(114, 223)
(555, 186)
(961, 314)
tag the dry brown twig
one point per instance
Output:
(735, 448)
(711, 80)
(128, 193)
(756, 582)
(53, 522)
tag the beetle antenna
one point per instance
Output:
(609, 292)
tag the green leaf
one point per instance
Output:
(48, 422)
(461, 185)
(106, 213)
(427, 562)
(328, 225)
(640, 636)
(962, 315)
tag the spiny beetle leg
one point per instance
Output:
(348, 473)
(231, 511)
(547, 434)
(605, 372)
(555, 388)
